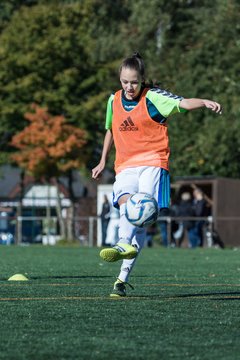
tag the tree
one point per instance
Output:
(7, 8)
(193, 49)
(207, 66)
(64, 55)
(48, 148)
(57, 54)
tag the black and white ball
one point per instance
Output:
(141, 209)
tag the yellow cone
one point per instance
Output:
(18, 277)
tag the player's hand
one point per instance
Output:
(214, 106)
(96, 172)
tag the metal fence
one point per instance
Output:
(46, 230)
(86, 230)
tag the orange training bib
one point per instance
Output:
(139, 140)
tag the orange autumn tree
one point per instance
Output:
(48, 148)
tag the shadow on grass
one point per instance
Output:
(70, 277)
(224, 296)
(80, 277)
(234, 295)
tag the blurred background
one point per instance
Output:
(59, 64)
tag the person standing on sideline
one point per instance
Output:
(136, 121)
(186, 210)
(201, 208)
(105, 218)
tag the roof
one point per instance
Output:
(10, 180)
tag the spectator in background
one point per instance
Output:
(168, 229)
(176, 227)
(201, 210)
(186, 209)
(151, 231)
(105, 217)
(163, 226)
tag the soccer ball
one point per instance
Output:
(141, 209)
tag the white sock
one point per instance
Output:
(127, 265)
(126, 230)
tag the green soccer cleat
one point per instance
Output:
(119, 289)
(118, 252)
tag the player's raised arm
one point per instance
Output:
(195, 103)
(108, 141)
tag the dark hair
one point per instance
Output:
(134, 62)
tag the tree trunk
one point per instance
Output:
(61, 220)
(70, 230)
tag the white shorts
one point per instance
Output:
(148, 179)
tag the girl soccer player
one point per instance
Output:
(136, 123)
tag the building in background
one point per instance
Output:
(223, 195)
(39, 201)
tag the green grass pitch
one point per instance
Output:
(185, 305)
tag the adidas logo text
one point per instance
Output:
(128, 125)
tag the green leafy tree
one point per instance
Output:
(193, 49)
(65, 54)
(53, 54)
(207, 66)
(7, 8)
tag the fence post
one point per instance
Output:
(90, 231)
(19, 230)
(169, 229)
(209, 232)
